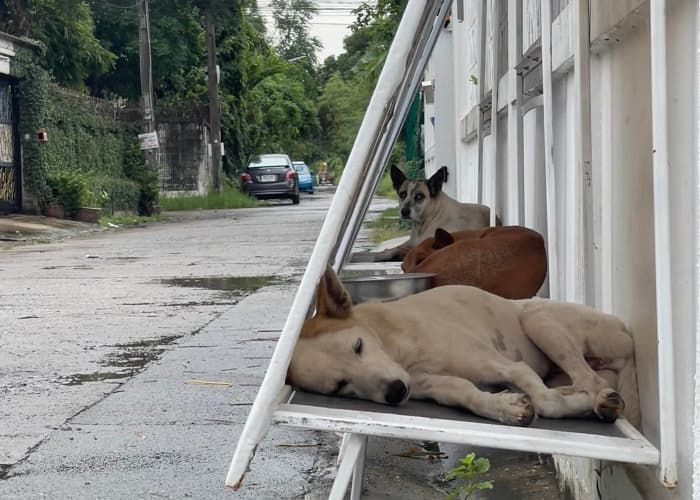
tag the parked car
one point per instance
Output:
(306, 180)
(271, 176)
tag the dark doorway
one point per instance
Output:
(10, 184)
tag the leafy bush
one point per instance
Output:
(466, 473)
(136, 169)
(69, 188)
(95, 198)
(124, 194)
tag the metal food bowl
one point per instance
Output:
(384, 288)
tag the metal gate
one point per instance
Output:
(9, 166)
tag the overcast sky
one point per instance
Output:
(330, 24)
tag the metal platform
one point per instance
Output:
(422, 420)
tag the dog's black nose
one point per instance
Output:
(405, 212)
(395, 392)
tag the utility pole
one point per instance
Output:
(146, 72)
(214, 117)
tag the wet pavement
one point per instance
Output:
(129, 361)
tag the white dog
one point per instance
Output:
(457, 344)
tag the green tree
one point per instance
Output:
(292, 20)
(351, 76)
(178, 51)
(14, 17)
(67, 29)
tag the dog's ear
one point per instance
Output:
(332, 299)
(435, 182)
(442, 239)
(397, 177)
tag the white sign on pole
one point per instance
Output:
(149, 140)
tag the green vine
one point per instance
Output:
(32, 93)
(86, 137)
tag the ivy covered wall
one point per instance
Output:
(97, 139)
(93, 138)
(32, 93)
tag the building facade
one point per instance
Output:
(591, 147)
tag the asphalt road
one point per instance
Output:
(129, 360)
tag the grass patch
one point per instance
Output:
(128, 220)
(387, 226)
(231, 198)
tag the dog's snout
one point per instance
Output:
(396, 391)
(405, 212)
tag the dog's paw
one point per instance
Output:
(519, 410)
(609, 405)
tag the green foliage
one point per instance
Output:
(177, 50)
(341, 107)
(350, 78)
(32, 93)
(268, 103)
(467, 473)
(229, 198)
(146, 178)
(293, 25)
(67, 29)
(68, 188)
(83, 135)
(123, 193)
(14, 17)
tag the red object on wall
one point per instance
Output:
(42, 135)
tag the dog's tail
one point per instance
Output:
(627, 387)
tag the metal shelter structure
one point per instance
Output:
(401, 76)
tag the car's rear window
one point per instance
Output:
(268, 161)
(301, 167)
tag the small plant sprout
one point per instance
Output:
(467, 474)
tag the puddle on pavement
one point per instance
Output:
(235, 285)
(132, 358)
(83, 378)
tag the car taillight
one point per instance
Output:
(246, 178)
(290, 175)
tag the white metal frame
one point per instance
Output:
(483, 5)
(398, 81)
(550, 173)
(420, 23)
(668, 471)
(516, 213)
(696, 413)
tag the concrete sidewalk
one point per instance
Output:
(19, 228)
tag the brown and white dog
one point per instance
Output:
(452, 344)
(510, 261)
(428, 208)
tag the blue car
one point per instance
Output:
(306, 181)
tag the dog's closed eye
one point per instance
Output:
(357, 346)
(340, 386)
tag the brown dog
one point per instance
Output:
(451, 344)
(510, 261)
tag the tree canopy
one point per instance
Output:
(274, 94)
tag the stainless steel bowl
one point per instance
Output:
(385, 288)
